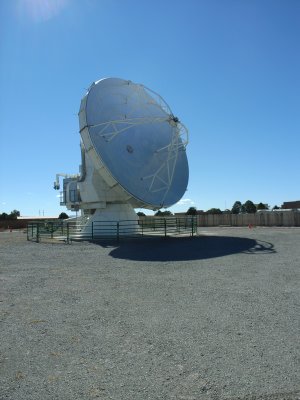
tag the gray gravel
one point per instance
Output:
(211, 317)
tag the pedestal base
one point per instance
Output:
(115, 219)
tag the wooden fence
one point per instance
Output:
(270, 218)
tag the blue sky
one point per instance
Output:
(229, 69)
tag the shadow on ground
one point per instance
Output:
(183, 249)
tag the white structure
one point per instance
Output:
(133, 154)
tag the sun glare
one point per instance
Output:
(41, 10)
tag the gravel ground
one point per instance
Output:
(210, 317)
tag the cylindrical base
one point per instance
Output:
(112, 221)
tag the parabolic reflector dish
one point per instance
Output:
(137, 140)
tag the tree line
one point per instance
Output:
(238, 208)
(15, 214)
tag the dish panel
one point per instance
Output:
(137, 138)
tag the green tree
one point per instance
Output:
(275, 208)
(191, 211)
(163, 213)
(214, 211)
(236, 208)
(249, 207)
(3, 216)
(63, 215)
(141, 214)
(14, 214)
(262, 206)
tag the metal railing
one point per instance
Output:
(102, 230)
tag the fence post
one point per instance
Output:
(165, 224)
(37, 232)
(92, 230)
(51, 230)
(118, 236)
(68, 237)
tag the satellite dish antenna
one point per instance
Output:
(133, 153)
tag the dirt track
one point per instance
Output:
(211, 317)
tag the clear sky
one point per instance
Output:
(229, 69)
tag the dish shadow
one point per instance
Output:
(187, 248)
